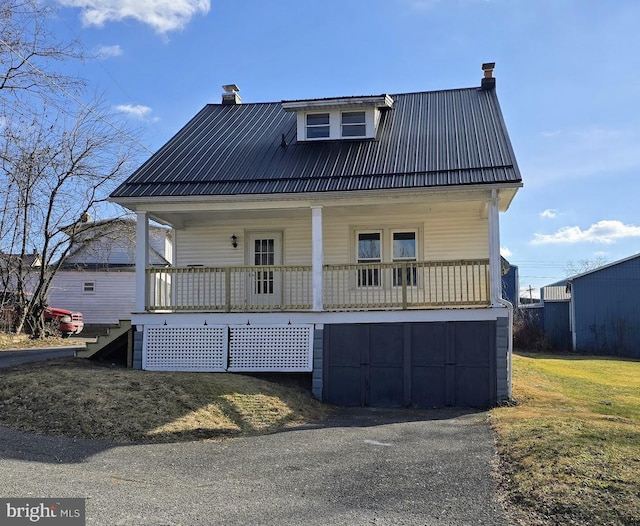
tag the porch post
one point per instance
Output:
(316, 258)
(142, 259)
(495, 266)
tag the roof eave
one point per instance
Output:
(377, 101)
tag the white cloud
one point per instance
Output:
(162, 15)
(549, 213)
(134, 110)
(604, 231)
(505, 252)
(109, 51)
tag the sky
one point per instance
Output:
(568, 82)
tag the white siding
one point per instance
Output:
(448, 231)
(209, 244)
(112, 300)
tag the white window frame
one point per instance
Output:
(386, 252)
(371, 120)
(413, 281)
(308, 126)
(369, 277)
(352, 125)
(91, 284)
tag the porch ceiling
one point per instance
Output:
(179, 212)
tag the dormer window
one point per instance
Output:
(317, 126)
(354, 124)
(345, 118)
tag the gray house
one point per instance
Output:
(355, 237)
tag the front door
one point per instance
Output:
(265, 250)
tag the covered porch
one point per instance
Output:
(348, 287)
(396, 253)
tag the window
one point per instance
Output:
(354, 124)
(369, 251)
(264, 254)
(388, 257)
(404, 250)
(317, 126)
(89, 286)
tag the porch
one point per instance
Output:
(348, 287)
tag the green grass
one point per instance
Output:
(570, 449)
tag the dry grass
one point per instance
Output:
(570, 449)
(79, 398)
(10, 341)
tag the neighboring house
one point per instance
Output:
(98, 276)
(598, 309)
(16, 268)
(554, 312)
(354, 237)
(510, 283)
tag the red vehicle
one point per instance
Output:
(64, 321)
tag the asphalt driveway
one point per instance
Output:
(18, 357)
(360, 467)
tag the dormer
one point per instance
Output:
(344, 118)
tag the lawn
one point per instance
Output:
(83, 399)
(569, 449)
(22, 341)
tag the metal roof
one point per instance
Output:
(428, 139)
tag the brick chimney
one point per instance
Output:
(488, 82)
(230, 95)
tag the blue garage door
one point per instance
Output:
(410, 364)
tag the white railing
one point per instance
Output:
(407, 285)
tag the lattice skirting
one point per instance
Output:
(237, 348)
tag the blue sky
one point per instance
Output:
(568, 80)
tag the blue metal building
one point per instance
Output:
(555, 315)
(510, 283)
(604, 317)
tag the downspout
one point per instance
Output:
(496, 281)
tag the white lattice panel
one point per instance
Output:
(283, 348)
(185, 348)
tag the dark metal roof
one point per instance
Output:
(428, 139)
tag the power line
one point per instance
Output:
(73, 97)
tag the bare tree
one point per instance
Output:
(59, 156)
(52, 176)
(29, 52)
(584, 265)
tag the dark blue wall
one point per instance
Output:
(556, 324)
(511, 286)
(607, 316)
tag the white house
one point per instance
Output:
(355, 237)
(98, 277)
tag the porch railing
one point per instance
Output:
(406, 285)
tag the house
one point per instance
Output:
(19, 276)
(510, 283)
(554, 307)
(596, 309)
(98, 276)
(353, 237)
(18, 268)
